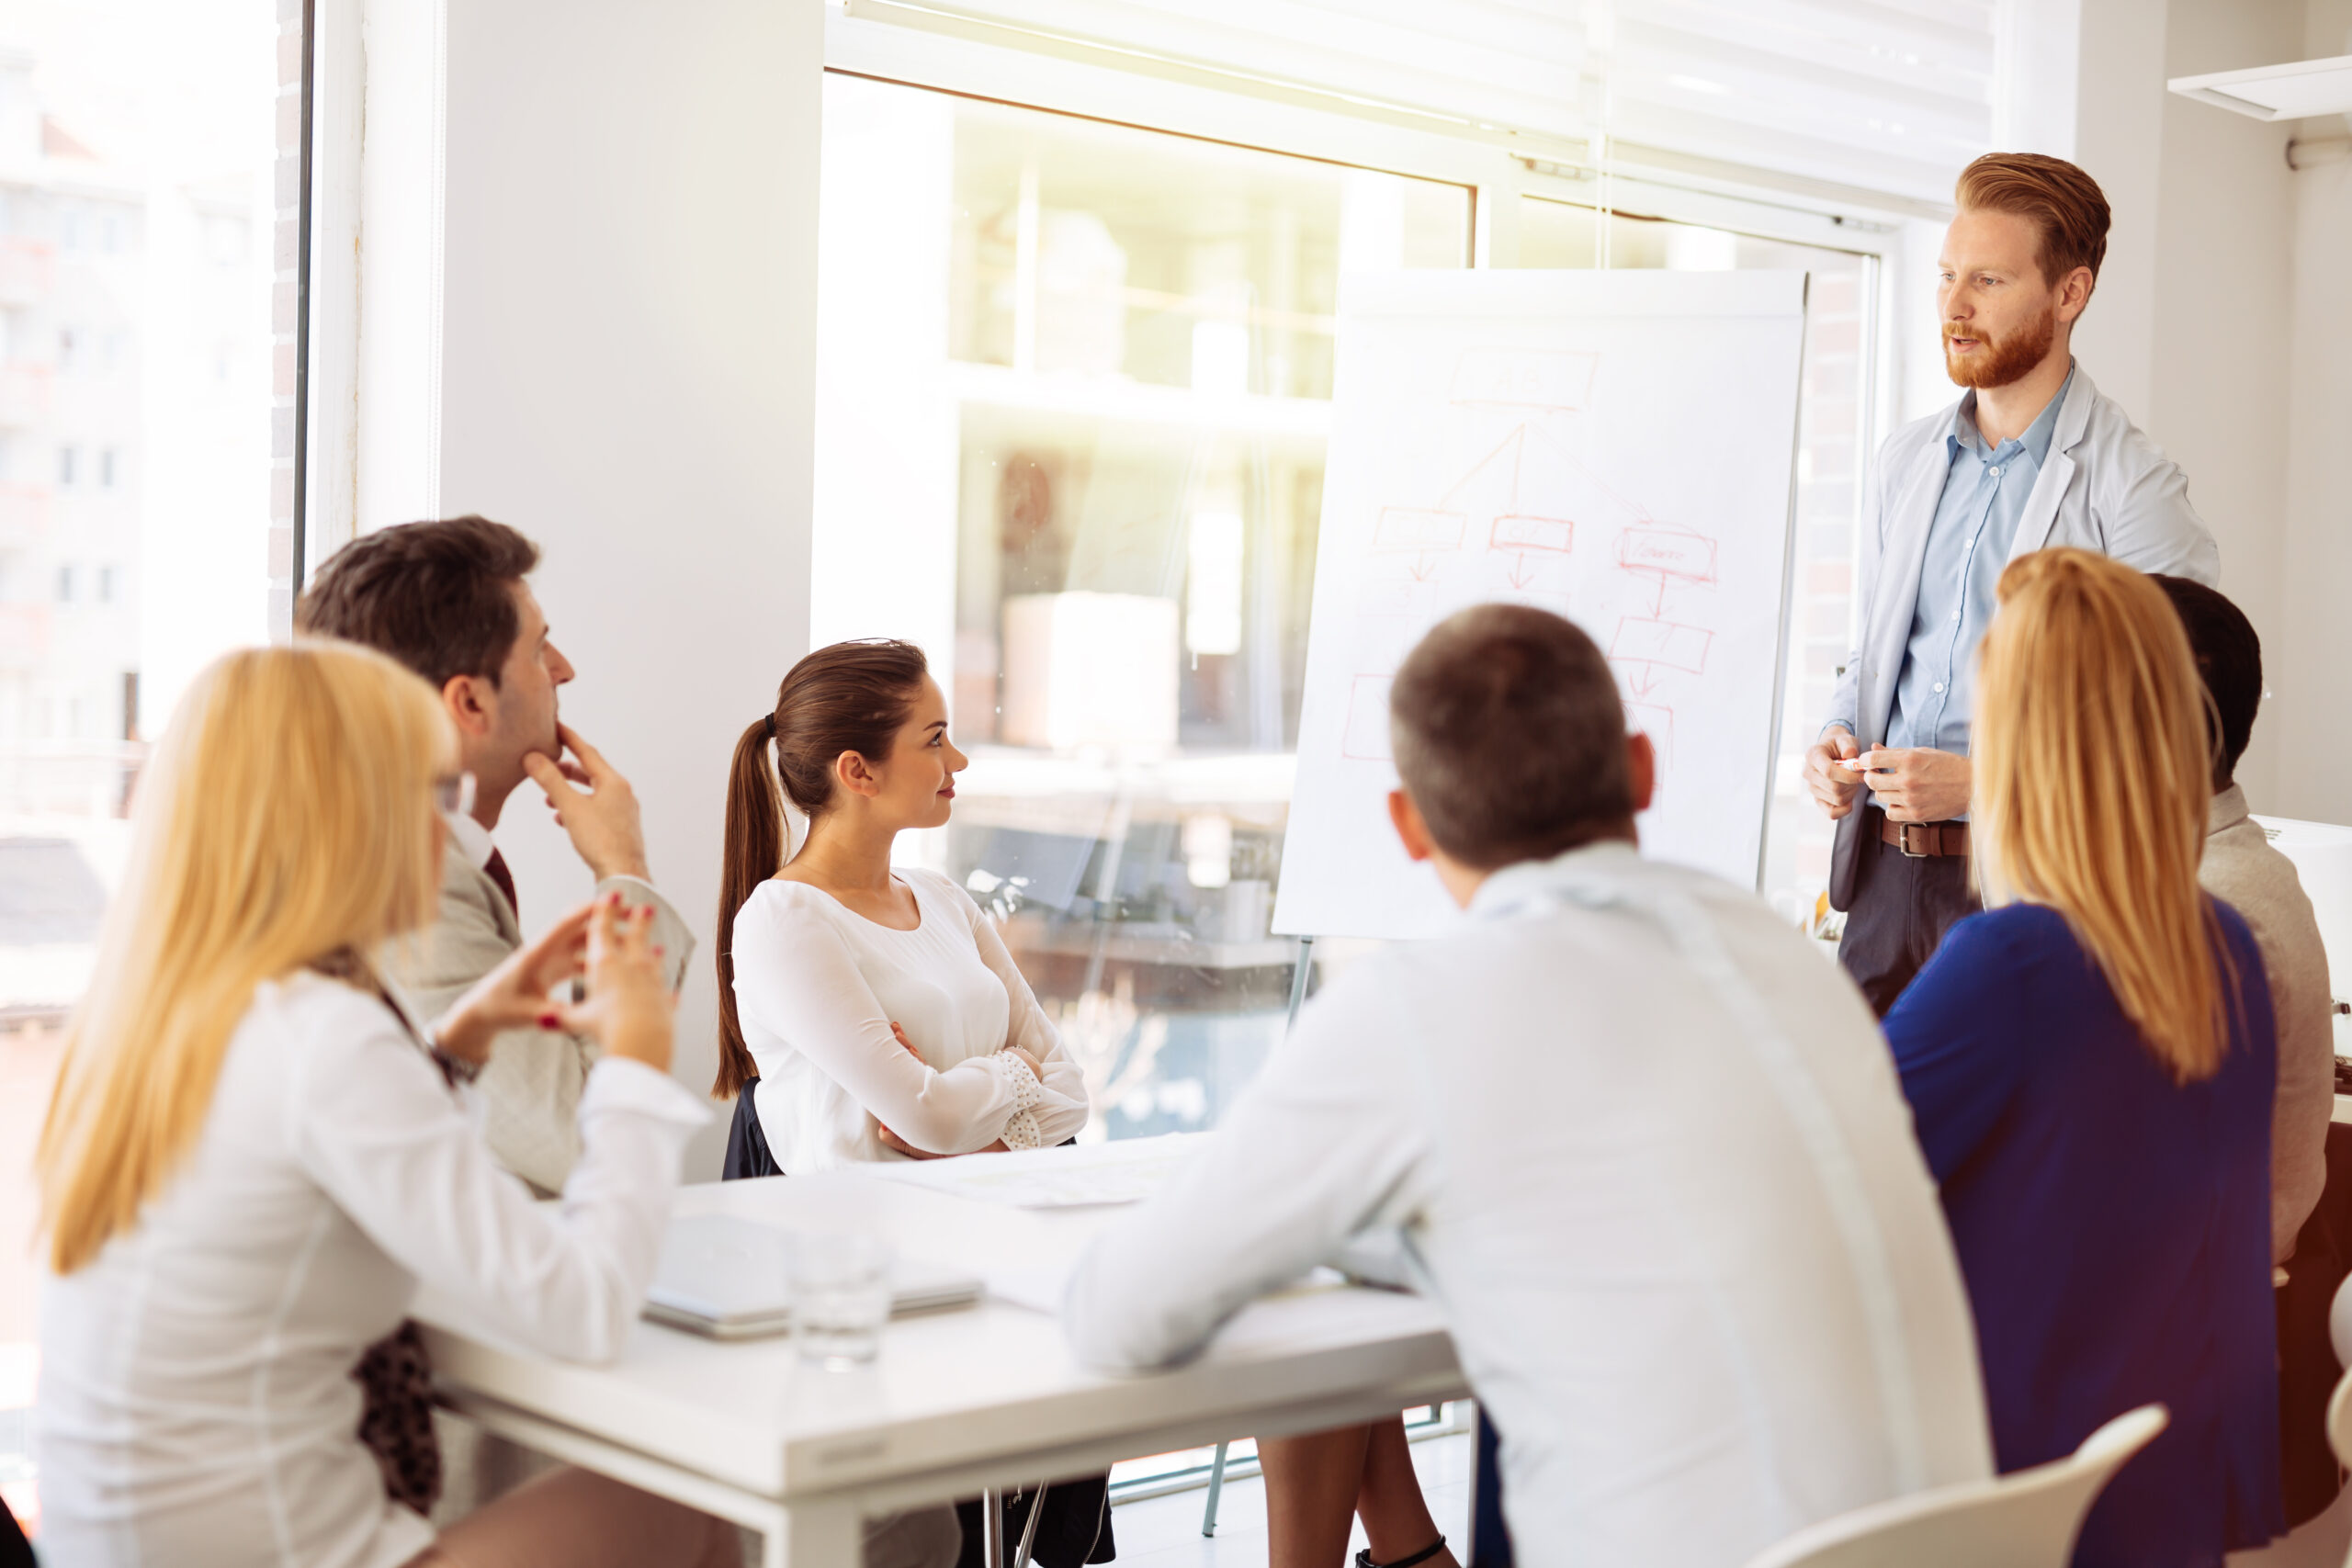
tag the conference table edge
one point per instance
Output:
(1086, 1428)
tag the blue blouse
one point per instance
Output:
(2113, 1226)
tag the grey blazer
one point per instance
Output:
(2105, 487)
(529, 1090)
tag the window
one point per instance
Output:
(82, 290)
(1075, 384)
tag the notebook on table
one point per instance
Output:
(724, 1277)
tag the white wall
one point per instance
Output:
(2308, 656)
(2220, 328)
(2217, 323)
(628, 345)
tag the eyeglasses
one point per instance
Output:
(455, 794)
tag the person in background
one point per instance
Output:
(2030, 455)
(1639, 1151)
(255, 1159)
(449, 600)
(869, 1011)
(874, 1006)
(2091, 1063)
(2242, 869)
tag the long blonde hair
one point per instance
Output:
(2093, 769)
(286, 818)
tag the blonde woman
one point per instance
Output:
(254, 1159)
(2090, 1065)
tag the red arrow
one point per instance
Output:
(1522, 574)
(1421, 571)
(1646, 681)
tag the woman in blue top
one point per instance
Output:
(2090, 1065)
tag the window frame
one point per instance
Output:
(1882, 229)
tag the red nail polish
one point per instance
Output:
(549, 1019)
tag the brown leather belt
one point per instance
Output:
(1921, 839)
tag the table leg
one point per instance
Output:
(992, 1528)
(816, 1535)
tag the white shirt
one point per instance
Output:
(473, 840)
(1650, 1157)
(817, 988)
(2245, 870)
(196, 1405)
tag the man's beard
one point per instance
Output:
(2001, 360)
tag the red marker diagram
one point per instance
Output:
(1646, 647)
(1419, 531)
(1366, 739)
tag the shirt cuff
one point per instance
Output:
(638, 882)
(1021, 1132)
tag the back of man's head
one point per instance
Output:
(2229, 657)
(439, 597)
(1510, 736)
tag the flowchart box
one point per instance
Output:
(1661, 642)
(1520, 531)
(1669, 552)
(1419, 529)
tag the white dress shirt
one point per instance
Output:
(817, 988)
(196, 1403)
(2244, 870)
(1649, 1155)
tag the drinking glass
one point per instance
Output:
(840, 1287)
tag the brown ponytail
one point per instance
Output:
(852, 697)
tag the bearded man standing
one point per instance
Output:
(2029, 457)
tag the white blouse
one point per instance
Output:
(196, 1403)
(817, 988)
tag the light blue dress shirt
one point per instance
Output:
(1968, 545)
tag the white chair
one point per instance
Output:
(2025, 1520)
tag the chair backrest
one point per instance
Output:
(2025, 1520)
(2339, 1419)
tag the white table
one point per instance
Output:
(958, 1401)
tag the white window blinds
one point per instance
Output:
(1887, 94)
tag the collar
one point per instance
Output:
(2227, 810)
(1513, 886)
(473, 840)
(2034, 443)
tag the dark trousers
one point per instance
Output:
(1903, 905)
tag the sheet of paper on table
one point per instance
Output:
(1127, 1171)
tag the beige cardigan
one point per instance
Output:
(2243, 871)
(529, 1091)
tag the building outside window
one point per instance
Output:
(129, 132)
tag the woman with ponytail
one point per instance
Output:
(875, 1008)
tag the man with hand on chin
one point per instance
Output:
(2030, 457)
(449, 600)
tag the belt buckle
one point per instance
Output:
(1903, 839)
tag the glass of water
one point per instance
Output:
(840, 1297)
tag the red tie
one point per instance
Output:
(495, 867)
